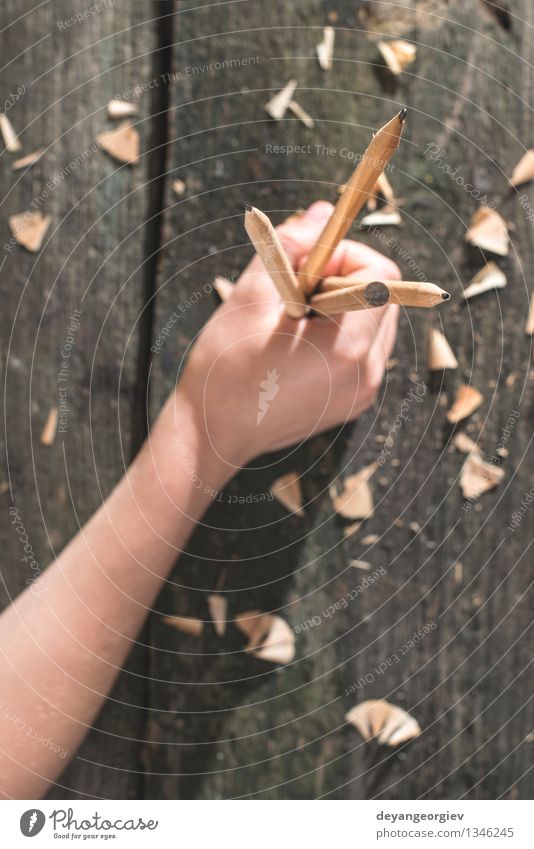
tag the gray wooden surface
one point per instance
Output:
(200, 719)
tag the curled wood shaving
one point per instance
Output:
(223, 287)
(387, 723)
(122, 143)
(186, 624)
(9, 135)
(270, 637)
(489, 277)
(524, 170)
(325, 49)
(301, 114)
(29, 159)
(121, 109)
(440, 354)
(277, 105)
(465, 444)
(356, 499)
(388, 216)
(29, 229)
(370, 539)
(178, 187)
(466, 402)
(397, 54)
(50, 429)
(360, 564)
(478, 477)
(488, 231)
(529, 326)
(218, 607)
(287, 490)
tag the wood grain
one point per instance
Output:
(202, 719)
(230, 728)
(90, 267)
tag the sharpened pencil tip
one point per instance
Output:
(248, 207)
(445, 296)
(402, 115)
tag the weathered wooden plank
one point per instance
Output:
(222, 725)
(71, 59)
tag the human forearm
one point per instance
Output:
(65, 638)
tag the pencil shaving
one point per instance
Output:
(287, 490)
(301, 114)
(388, 216)
(29, 159)
(488, 231)
(122, 143)
(325, 49)
(270, 637)
(465, 444)
(397, 54)
(478, 477)
(524, 170)
(356, 499)
(388, 724)
(186, 624)
(467, 400)
(121, 109)
(29, 229)
(9, 135)
(218, 607)
(278, 105)
(440, 354)
(360, 564)
(48, 435)
(178, 187)
(488, 278)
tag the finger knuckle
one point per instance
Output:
(391, 270)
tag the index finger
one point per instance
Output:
(351, 256)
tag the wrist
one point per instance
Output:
(186, 448)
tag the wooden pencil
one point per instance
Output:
(268, 247)
(364, 295)
(357, 191)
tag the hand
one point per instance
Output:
(259, 380)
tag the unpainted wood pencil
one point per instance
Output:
(268, 247)
(362, 295)
(357, 191)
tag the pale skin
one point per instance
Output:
(65, 639)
